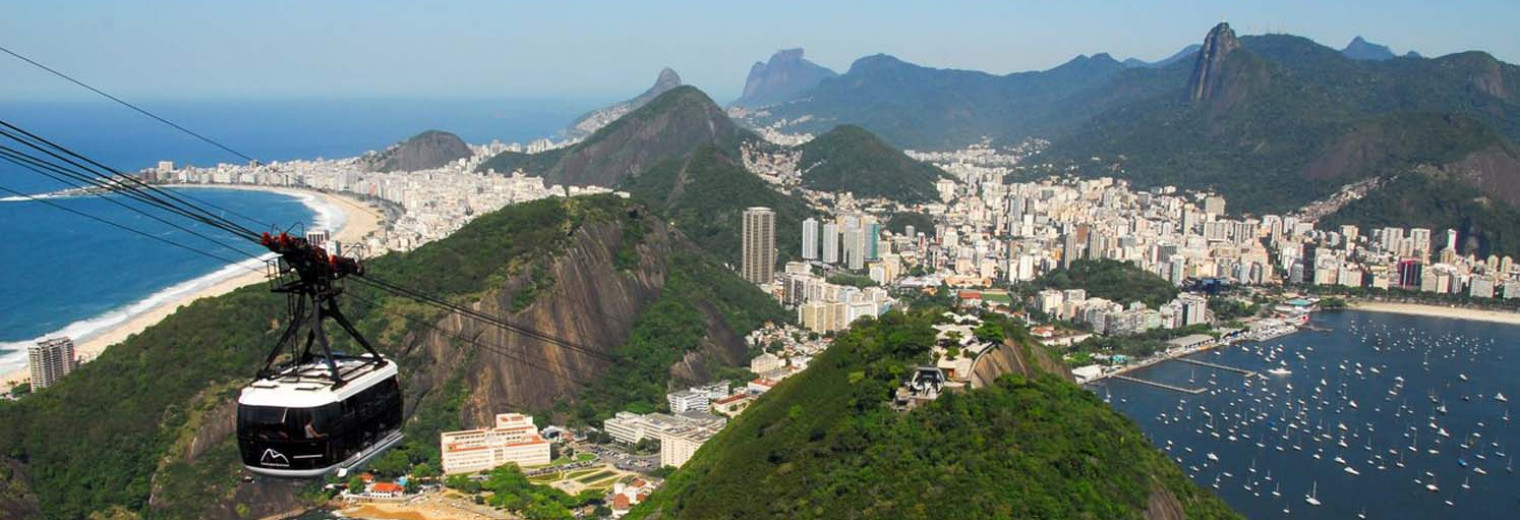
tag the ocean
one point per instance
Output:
(1400, 371)
(65, 274)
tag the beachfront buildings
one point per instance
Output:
(514, 439)
(50, 360)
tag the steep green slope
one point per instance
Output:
(534, 164)
(823, 445)
(149, 418)
(850, 158)
(705, 194)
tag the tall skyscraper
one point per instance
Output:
(810, 239)
(873, 239)
(854, 247)
(1451, 239)
(51, 359)
(759, 252)
(831, 243)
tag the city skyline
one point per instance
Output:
(467, 49)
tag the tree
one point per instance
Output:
(393, 464)
(989, 332)
(424, 470)
(355, 485)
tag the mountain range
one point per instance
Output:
(785, 77)
(1271, 121)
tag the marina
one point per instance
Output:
(1193, 391)
(1381, 416)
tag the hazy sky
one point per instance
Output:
(562, 48)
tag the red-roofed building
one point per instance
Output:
(386, 490)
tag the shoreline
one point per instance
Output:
(1437, 311)
(351, 219)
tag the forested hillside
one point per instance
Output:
(164, 452)
(824, 445)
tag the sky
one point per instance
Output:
(226, 49)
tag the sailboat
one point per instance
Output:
(1313, 498)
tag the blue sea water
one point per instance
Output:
(61, 273)
(1432, 355)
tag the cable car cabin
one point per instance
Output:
(295, 424)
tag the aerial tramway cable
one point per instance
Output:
(358, 420)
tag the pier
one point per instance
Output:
(1193, 391)
(1242, 371)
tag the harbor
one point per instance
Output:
(1381, 416)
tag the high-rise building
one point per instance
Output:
(830, 243)
(51, 359)
(1451, 239)
(758, 263)
(810, 239)
(854, 250)
(873, 239)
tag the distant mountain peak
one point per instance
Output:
(591, 122)
(1208, 69)
(1361, 49)
(785, 77)
(1183, 54)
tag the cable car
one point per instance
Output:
(295, 424)
(317, 412)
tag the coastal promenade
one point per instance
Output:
(358, 221)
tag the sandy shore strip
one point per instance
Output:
(1459, 313)
(357, 221)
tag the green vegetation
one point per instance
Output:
(824, 445)
(852, 280)
(1332, 303)
(1437, 200)
(901, 220)
(1229, 309)
(705, 195)
(1134, 346)
(512, 491)
(1122, 282)
(850, 158)
(537, 164)
(180, 372)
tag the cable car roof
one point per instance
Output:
(310, 385)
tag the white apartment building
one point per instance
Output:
(50, 359)
(515, 439)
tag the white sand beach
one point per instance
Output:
(1511, 318)
(352, 219)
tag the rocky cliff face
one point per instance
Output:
(589, 123)
(424, 151)
(1208, 70)
(785, 77)
(668, 127)
(1013, 358)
